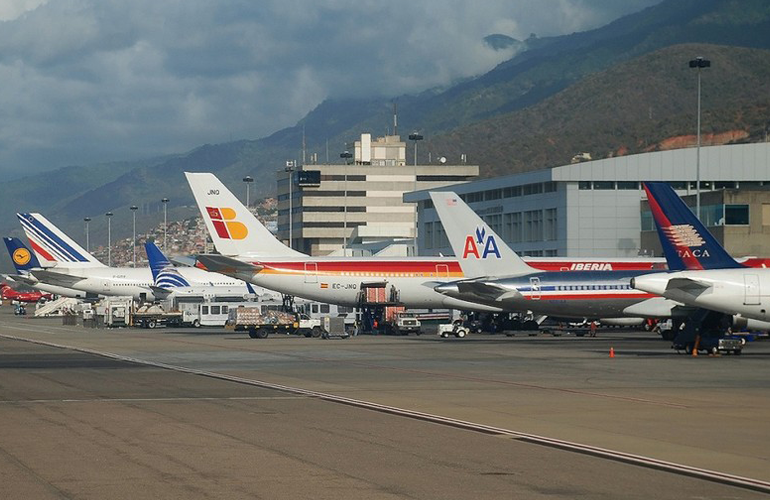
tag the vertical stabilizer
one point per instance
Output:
(21, 256)
(686, 242)
(234, 229)
(480, 251)
(164, 274)
(51, 246)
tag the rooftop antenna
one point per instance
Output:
(303, 144)
(395, 118)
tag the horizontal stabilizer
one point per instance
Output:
(486, 290)
(688, 285)
(227, 265)
(57, 278)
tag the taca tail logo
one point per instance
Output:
(684, 237)
(480, 245)
(225, 224)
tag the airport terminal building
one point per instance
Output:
(594, 208)
(359, 200)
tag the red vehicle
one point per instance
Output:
(9, 293)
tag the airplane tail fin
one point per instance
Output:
(233, 228)
(479, 249)
(51, 246)
(686, 242)
(164, 274)
(23, 259)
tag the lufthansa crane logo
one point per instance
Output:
(21, 256)
(225, 224)
(480, 245)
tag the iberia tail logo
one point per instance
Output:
(21, 256)
(480, 245)
(225, 224)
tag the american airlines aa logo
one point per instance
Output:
(481, 246)
(225, 224)
(21, 256)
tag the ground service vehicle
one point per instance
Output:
(456, 329)
(260, 323)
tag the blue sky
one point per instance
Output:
(87, 81)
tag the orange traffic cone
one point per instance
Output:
(612, 352)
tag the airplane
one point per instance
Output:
(711, 278)
(247, 250)
(63, 262)
(168, 280)
(506, 280)
(25, 261)
(8, 293)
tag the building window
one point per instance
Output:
(549, 187)
(584, 185)
(529, 189)
(647, 221)
(494, 194)
(533, 225)
(551, 252)
(630, 185)
(512, 228)
(550, 224)
(512, 192)
(495, 222)
(428, 235)
(737, 215)
(440, 240)
(604, 185)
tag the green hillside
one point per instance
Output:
(641, 105)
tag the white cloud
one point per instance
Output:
(97, 80)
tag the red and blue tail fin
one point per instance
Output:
(686, 242)
(23, 259)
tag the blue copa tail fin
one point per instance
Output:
(23, 259)
(164, 274)
(686, 242)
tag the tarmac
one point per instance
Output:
(207, 413)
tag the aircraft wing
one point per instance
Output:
(228, 266)
(56, 278)
(688, 285)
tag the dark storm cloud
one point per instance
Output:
(97, 80)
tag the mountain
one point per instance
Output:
(645, 104)
(535, 110)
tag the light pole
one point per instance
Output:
(699, 63)
(346, 155)
(87, 220)
(165, 222)
(248, 180)
(134, 208)
(414, 136)
(290, 169)
(109, 239)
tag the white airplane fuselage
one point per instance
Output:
(137, 282)
(339, 280)
(745, 292)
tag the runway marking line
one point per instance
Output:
(618, 456)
